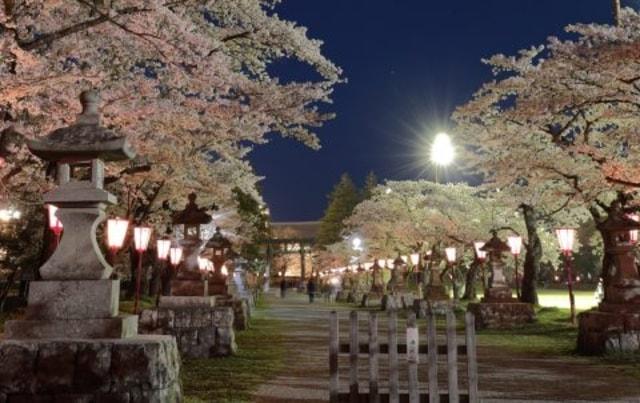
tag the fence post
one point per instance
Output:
(472, 365)
(432, 356)
(354, 350)
(333, 357)
(413, 350)
(452, 357)
(374, 349)
(393, 357)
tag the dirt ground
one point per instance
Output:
(503, 376)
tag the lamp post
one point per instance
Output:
(175, 256)
(415, 262)
(54, 222)
(162, 249)
(221, 248)
(566, 237)
(116, 233)
(481, 256)
(633, 234)
(450, 254)
(515, 243)
(141, 238)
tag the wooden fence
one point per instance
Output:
(412, 349)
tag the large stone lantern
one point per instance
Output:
(220, 247)
(498, 308)
(614, 326)
(73, 334)
(189, 280)
(498, 290)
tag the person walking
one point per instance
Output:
(283, 287)
(311, 289)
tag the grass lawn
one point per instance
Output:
(553, 334)
(232, 379)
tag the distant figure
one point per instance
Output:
(311, 289)
(599, 293)
(283, 287)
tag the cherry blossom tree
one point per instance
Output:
(187, 82)
(561, 119)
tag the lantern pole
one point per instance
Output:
(572, 300)
(141, 237)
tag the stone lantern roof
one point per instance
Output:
(219, 241)
(84, 140)
(192, 214)
(495, 244)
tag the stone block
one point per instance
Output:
(187, 288)
(601, 332)
(90, 299)
(55, 370)
(436, 293)
(93, 362)
(501, 315)
(422, 307)
(16, 355)
(112, 328)
(225, 342)
(187, 302)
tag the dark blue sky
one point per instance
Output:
(409, 63)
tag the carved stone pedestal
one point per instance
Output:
(611, 328)
(422, 307)
(201, 329)
(436, 293)
(501, 315)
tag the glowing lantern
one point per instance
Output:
(116, 232)
(451, 254)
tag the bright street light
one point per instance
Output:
(442, 150)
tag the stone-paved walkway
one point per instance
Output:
(503, 375)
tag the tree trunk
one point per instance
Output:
(533, 248)
(616, 12)
(470, 292)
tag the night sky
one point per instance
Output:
(409, 63)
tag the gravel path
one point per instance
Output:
(503, 376)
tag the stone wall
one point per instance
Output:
(139, 369)
(199, 331)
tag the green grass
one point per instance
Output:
(126, 305)
(551, 334)
(260, 356)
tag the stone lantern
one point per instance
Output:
(498, 290)
(189, 280)
(396, 283)
(72, 315)
(220, 247)
(498, 308)
(614, 326)
(435, 290)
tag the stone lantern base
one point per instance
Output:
(73, 346)
(201, 328)
(138, 369)
(436, 293)
(499, 310)
(189, 284)
(610, 328)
